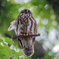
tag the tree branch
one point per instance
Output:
(24, 35)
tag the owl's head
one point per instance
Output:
(26, 11)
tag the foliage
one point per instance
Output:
(6, 52)
(46, 22)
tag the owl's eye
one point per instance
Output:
(29, 12)
(25, 10)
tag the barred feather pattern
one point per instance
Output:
(25, 24)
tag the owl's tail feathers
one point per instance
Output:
(28, 52)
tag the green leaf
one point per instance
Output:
(20, 53)
(15, 58)
(8, 40)
(5, 51)
(13, 51)
(1, 47)
(22, 58)
(9, 51)
(0, 58)
(1, 40)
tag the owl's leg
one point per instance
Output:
(20, 42)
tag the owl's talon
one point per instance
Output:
(29, 34)
(30, 37)
(26, 34)
(20, 34)
(21, 38)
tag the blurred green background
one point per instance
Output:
(46, 13)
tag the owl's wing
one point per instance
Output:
(35, 31)
(13, 25)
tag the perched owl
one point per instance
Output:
(23, 25)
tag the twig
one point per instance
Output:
(24, 35)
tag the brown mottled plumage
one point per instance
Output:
(25, 24)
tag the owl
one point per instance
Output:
(25, 24)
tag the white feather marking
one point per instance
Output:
(28, 29)
(19, 28)
(24, 43)
(27, 43)
(28, 14)
(33, 25)
(21, 14)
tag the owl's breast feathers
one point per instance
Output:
(25, 23)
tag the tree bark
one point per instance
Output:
(55, 6)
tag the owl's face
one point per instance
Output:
(26, 11)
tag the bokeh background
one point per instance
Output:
(46, 13)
